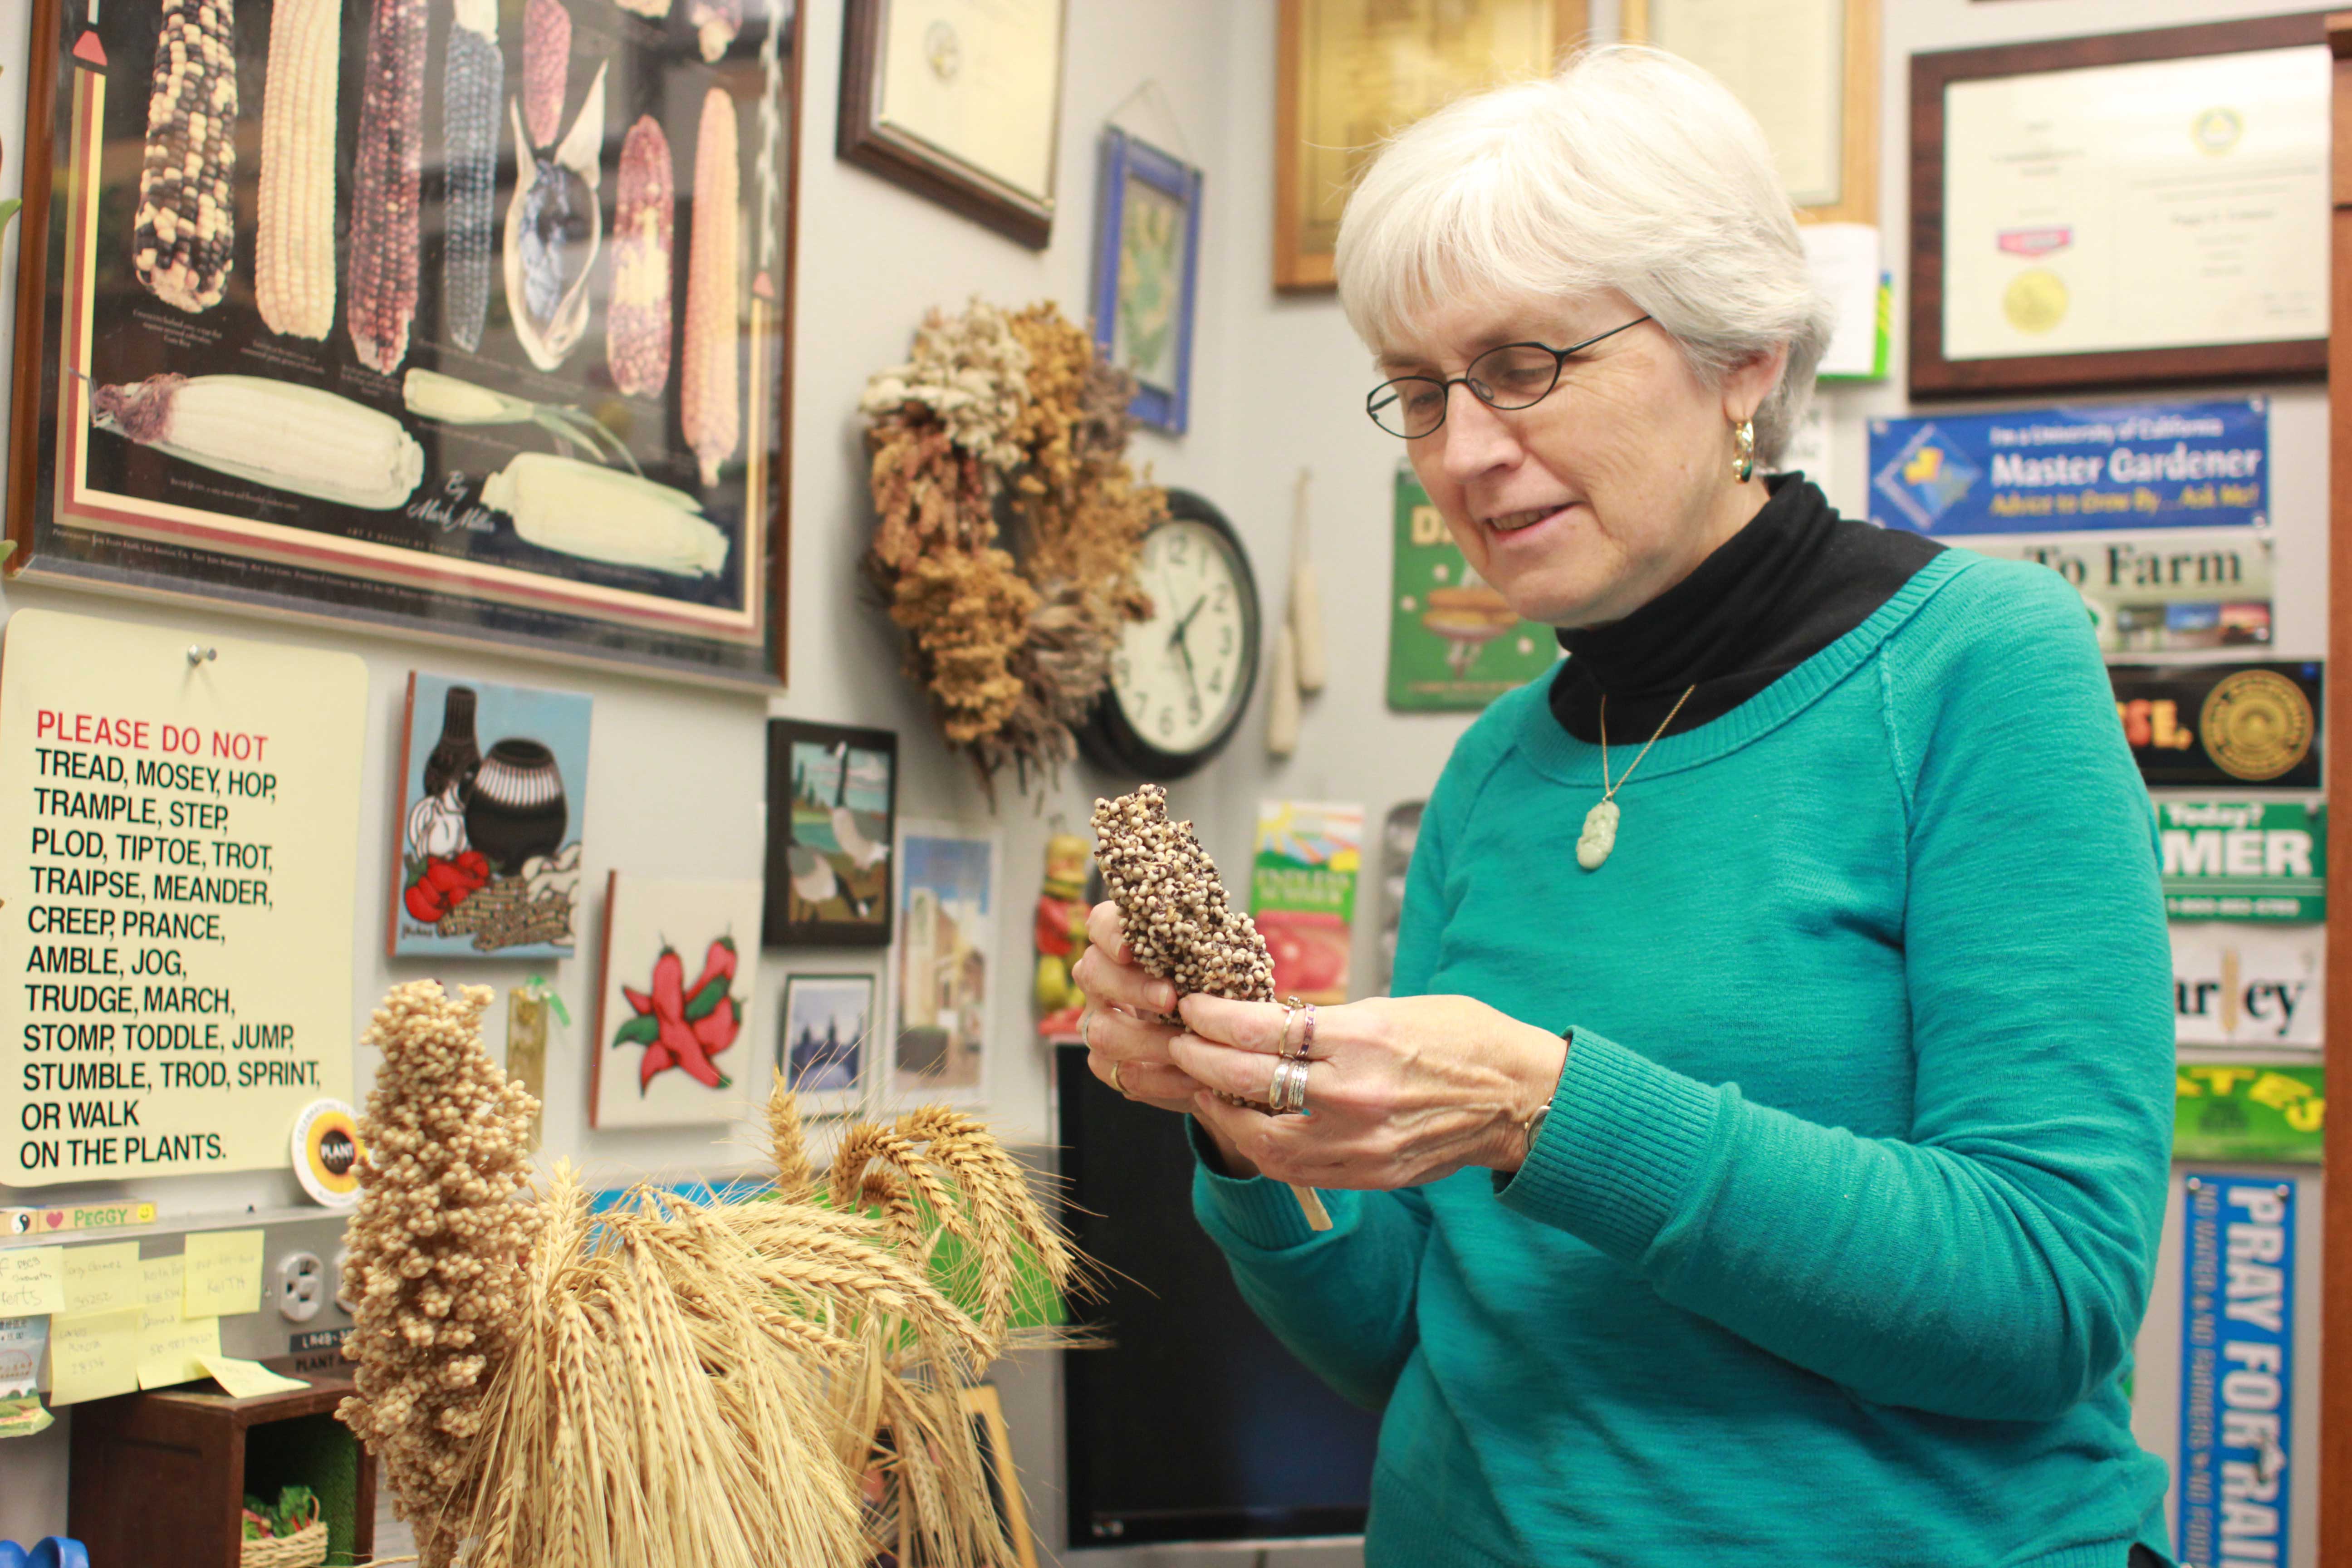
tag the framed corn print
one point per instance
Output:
(463, 319)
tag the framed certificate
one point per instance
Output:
(523, 379)
(1808, 71)
(2121, 210)
(1351, 73)
(959, 100)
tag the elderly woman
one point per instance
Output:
(1762, 1158)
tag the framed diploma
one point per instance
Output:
(1351, 73)
(1808, 71)
(959, 100)
(392, 343)
(2121, 210)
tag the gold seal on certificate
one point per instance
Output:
(2256, 725)
(2035, 301)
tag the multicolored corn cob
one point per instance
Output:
(183, 243)
(715, 23)
(707, 383)
(473, 77)
(546, 57)
(637, 319)
(294, 232)
(380, 277)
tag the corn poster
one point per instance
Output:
(469, 315)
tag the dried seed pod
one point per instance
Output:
(1167, 888)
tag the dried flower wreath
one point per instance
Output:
(1009, 418)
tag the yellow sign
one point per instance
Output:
(102, 1278)
(247, 1379)
(175, 1352)
(93, 1357)
(224, 1274)
(32, 1281)
(175, 928)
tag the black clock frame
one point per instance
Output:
(1114, 742)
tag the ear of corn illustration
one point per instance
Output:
(294, 438)
(636, 320)
(183, 242)
(546, 56)
(708, 384)
(294, 232)
(473, 79)
(380, 275)
(579, 509)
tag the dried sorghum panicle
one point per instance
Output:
(1173, 903)
(439, 1251)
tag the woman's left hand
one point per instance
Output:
(1400, 1091)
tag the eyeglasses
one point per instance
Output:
(1515, 375)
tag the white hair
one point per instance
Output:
(1629, 169)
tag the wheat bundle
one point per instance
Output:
(731, 1383)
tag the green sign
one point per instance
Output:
(2276, 1113)
(1303, 893)
(1453, 643)
(2244, 860)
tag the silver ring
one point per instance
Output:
(1287, 1094)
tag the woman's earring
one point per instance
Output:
(1743, 450)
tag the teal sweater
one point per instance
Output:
(1835, 1244)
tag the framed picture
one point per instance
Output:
(1808, 71)
(830, 1026)
(536, 395)
(947, 959)
(2121, 210)
(832, 795)
(1349, 75)
(994, 1442)
(679, 972)
(1147, 247)
(959, 100)
(493, 794)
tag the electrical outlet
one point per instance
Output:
(301, 1287)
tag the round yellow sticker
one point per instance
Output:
(326, 1153)
(2035, 301)
(2256, 724)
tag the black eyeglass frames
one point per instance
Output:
(1515, 375)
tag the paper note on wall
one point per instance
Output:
(174, 1352)
(101, 1278)
(224, 1274)
(93, 1357)
(162, 1283)
(32, 1281)
(247, 1379)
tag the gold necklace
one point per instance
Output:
(1600, 834)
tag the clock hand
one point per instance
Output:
(1184, 652)
(1185, 625)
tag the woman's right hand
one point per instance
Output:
(1121, 1025)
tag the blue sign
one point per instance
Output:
(2052, 470)
(2236, 1371)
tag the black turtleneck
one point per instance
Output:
(1796, 579)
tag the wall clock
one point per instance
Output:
(1180, 679)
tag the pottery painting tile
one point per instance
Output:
(493, 794)
(681, 964)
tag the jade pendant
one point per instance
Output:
(1600, 835)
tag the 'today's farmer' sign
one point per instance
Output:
(2045, 470)
(2243, 859)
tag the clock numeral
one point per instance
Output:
(1179, 547)
(1222, 597)
(1192, 708)
(1225, 639)
(1217, 681)
(1167, 722)
(1118, 669)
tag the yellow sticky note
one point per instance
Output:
(174, 1352)
(162, 1282)
(101, 1278)
(224, 1274)
(32, 1281)
(247, 1379)
(93, 1357)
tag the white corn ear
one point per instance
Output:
(295, 439)
(294, 239)
(578, 509)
